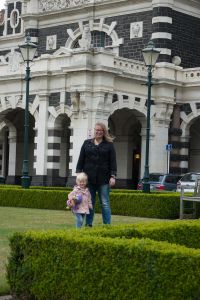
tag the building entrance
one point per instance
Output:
(125, 125)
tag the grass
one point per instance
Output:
(23, 219)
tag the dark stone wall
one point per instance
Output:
(132, 48)
(186, 39)
(60, 31)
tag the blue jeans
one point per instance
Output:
(79, 219)
(104, 199)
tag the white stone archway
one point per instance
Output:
(10, 168)
(12, 116)
(191, 135)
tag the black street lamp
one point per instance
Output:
(150, 55)
(27, 50)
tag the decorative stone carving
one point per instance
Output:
(51, 43)
(75, 100)
(85, 41)
(176, 60)
(136, 30)
(50, 5)
(14, 59)
(2, 59)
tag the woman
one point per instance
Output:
(98, 160)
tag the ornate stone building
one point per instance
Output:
(89, 68)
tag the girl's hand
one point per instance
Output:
(112, 181)
(69, 203)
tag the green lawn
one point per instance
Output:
(23, 219)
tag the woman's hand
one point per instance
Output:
(112, 181)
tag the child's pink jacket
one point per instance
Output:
(86, 203)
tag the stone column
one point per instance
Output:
(81, 128)
(175, 139)
(160, 119)
(184, 154)
(40, 151)
(12, 158)
(158, 159)
(54, 158)
(143, 151)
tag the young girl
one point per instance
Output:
(79, 200)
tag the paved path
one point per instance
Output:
(8, 297)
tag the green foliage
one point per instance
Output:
(154, 205)
(123, 262)
(33, 198)
(163, 206)
(184, 233)
(9, 186)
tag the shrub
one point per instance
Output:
(155, 205)
(104, 263)
(164, 206)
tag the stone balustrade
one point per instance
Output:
(130, 66)
(191, 75)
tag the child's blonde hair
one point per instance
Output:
(81, 177)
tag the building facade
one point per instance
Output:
(89, 68)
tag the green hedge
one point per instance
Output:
(108, 263)
(43, 199)
(61, 188)
(164, 206)
(184, 232)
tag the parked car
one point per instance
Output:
(161, 182)
(188, 182)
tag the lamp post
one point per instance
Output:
(150, 55)
(27, 50)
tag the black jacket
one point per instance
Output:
(97, 161)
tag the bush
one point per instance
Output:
(163, 206)
(105, 263)
(33, 198)
(155, 205)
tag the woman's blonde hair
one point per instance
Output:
(107, 136)
(81, 177)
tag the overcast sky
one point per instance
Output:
(2, 4)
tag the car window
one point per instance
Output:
(170, 179)
(191, 177)
(155, 177)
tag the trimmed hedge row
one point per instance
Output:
(9, 186)
(43, 199)
(61, 188)
(163, 206)
(105, 263)
(184, 232)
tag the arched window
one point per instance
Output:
(99, 39)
